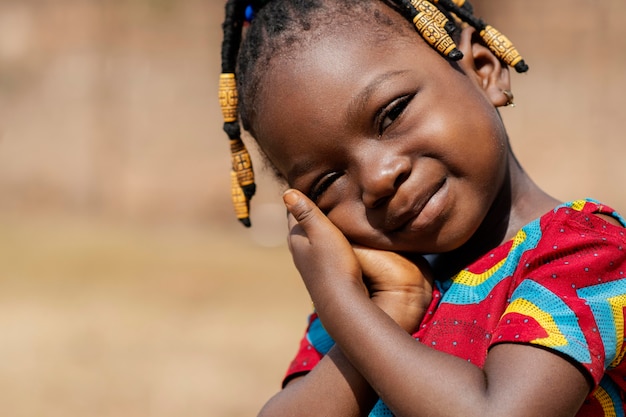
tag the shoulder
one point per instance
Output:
(577, 238)
(572, 226)
(588, 213)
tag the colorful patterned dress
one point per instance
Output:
(559, 283)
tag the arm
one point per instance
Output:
(398, 287)
(333, 388)
(438, 384)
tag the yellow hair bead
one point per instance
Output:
(240, 202)
(229, 99)
(431, 10)
(428, 26)
(500, 45)
(458, 3)
(241, 163)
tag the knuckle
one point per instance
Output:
(304, 212)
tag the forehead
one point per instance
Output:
(370, 21)
(335, 41)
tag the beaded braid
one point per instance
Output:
(435, 20)
(499, 44)
(432, 24)
(241, 174)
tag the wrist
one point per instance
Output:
(406, 309)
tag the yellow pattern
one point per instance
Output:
(617, 304)
(434, 34)
(500, 45)
(605, 402)
(471, 279)
(545, 320)
(519, 238)
(578, 205)
(240, 203)
(228, 97)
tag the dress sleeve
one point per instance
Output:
(315, 343)
(569, 293)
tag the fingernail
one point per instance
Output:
(290, 197)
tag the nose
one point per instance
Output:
(381, 177)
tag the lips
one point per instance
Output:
(401, 215)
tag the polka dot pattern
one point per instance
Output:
(558, 284)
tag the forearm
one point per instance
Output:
(367, 332)
(416, 380)
(333, 388)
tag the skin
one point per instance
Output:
(407, 169)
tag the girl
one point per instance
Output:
(392, 148)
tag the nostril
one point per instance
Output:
(380, 202)
(400, 179)
(385, 199)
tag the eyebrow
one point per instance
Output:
(298, 170)
(360, 100)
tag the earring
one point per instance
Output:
(509, 98)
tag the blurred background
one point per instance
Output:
(126, 286)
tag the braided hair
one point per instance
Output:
(276, 22)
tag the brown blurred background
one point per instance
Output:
(126, 286)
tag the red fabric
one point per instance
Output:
(560, 284)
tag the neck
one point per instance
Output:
(519, 202)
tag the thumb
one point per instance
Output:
(297, 204)
(318, 247)
(304, 211)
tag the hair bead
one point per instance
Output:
(430, 23)
(242, 166)
(249, 13)
(240, 202)
(499, 44)
(503, 48)
(431, 10)
(228, 97)
(462, 4)
(242, 176)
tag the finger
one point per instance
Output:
(296, 233)
(375, 262)
(307, 215)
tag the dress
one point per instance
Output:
(559, 283)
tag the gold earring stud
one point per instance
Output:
(509, 98)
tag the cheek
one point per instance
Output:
(350, 219)
(494, 154)
(483, 148)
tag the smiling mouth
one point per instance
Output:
(417, 208)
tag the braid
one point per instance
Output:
(433, 25)
(499, 44)
(242, 175)
(232, 28)
(275, 29)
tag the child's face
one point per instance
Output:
(399, 148)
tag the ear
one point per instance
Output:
(480, 64)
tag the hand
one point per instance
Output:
(399, 286)
(321, 253)
(325, 259)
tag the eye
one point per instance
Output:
(390, 113)
(321, 184)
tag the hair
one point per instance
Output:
(278, 26)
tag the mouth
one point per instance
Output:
(423, 210)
